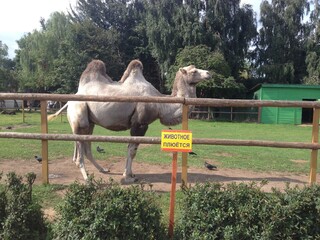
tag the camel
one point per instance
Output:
(119, 116)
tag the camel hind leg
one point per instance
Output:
(78, 119)
(75, 152)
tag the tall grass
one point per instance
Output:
(254, 158)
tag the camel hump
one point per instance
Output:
(95, 71)
(133, 65)
(96, 66)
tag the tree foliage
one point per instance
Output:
(313, 47)
(166, 35)
(220, 25)
(38, 51)
(125, 22)
(281, 46)
(8, 80)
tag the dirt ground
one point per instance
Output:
(63, 171)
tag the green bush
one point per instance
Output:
(110, 212)
(20, 216)
(241, 211)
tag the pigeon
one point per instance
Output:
(100, 150)
(192, 153)
(210, 166)
(39, 159)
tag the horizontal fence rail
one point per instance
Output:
(185, 102)
(157, 140)
(165, 99)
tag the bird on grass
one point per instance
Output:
(39, 159)
(100, 150)
(210, 166)
(192, 153)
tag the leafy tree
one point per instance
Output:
(83, 43)
(313, 47)
(281, 45)
(37, 53)
(124, 21)
(3, 52)
(171, 25)
(117, 31)
(220, 25)
(232, 28)
(53, 58)
(8, 81)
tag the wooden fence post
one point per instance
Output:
(184, 170)
(44, 143)
(23, 113)
(314, 152)
(172, 194)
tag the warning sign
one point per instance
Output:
(176, 140)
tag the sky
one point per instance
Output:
(19, 17)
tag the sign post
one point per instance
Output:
(173, 193)
(175, 141)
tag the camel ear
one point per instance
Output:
(183, 71)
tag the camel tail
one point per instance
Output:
(53, 116)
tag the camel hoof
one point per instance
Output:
(128, 175)
(129, 180)
(104, 170)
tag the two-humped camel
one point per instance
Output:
(118, 116)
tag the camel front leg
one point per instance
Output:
(80, 159)
(137, 130)
(132, 151)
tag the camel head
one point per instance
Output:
(134, 67)
(186, 80)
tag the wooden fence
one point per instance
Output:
(314, 146)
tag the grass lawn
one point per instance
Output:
(253, 158)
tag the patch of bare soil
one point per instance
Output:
(64, 171)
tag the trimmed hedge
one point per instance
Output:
(110, 212)
(20, 216)
(100, 210)
(241, 211)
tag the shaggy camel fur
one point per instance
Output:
(118, 116)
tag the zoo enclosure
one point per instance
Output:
(229, 114)
(45, 137)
